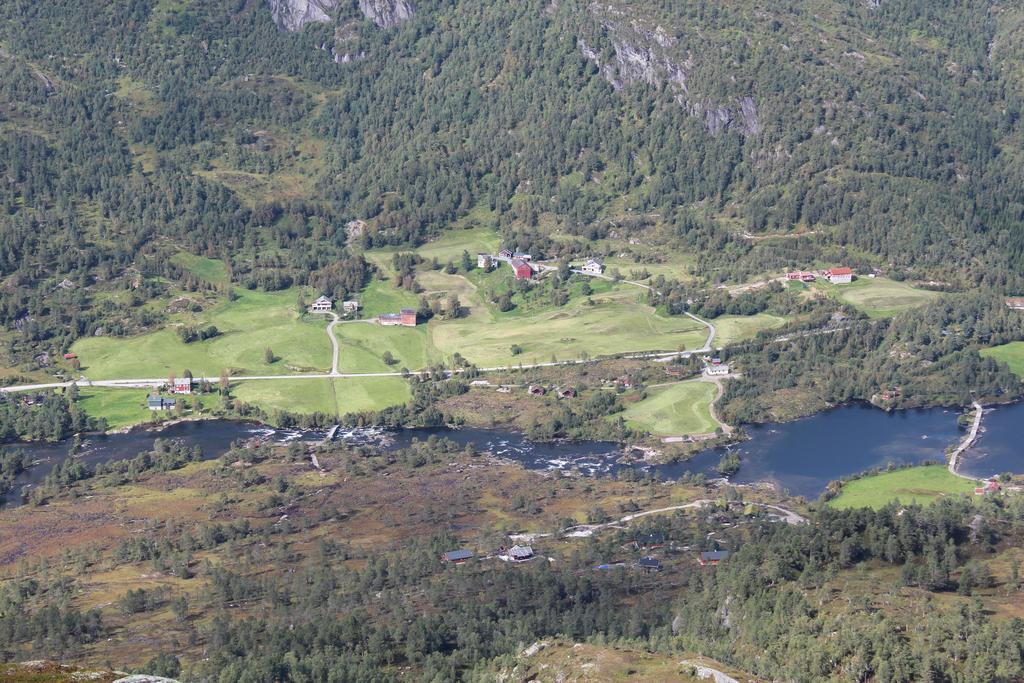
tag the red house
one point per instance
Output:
(522, 269)
(991, 486)
(406, 317)
(182, 386)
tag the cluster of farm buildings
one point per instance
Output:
(521, 263)
(838, 276)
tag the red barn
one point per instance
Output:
(522, 269)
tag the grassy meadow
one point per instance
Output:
(674, 410)
(1012, 354)
(121, 407)
(911, 485)
(321, 395)
(878, 297)
(248, 325)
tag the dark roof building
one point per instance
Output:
(160, 403)
(654, 540)
(520, 553)
(713, 557)
(649, 564)
(458, 556)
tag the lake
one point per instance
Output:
(801, 457)
(1000, 445)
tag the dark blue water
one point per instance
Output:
(1000, 444)
(801, 457)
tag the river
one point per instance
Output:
(800, 457)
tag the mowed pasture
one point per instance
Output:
(596, 326)
(733, 328)
(248, 326)
(121, 407)
(676, 410)
(1012, 354)
(911, 485)
(879, 297)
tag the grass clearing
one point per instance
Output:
(120, 407)
(734, 328)
(1012, 354)
(448, 247)
(248, 325)
(674, 410)
(911, 485)
(212, 270)
(878, 297)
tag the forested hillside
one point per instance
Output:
(889, 135)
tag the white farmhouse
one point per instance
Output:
(321, 305)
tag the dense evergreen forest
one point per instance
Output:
(136, 129)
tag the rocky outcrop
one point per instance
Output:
(292, 15)
(650, 55)
(387, 13)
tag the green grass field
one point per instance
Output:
(734, 328)
(331, 396)
(915, 484)
(614, 323)
(448, 247)
(212, 270)
(363, 346)
(120, 407)
(1012, 354)
(248, 326)
(878, 297)
(674, 410)
(383, 297)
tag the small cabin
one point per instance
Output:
(649, 541)
(483, 261)
(520, 553)
(350, 306)
(712, 557)
(537, 390)
(649, 564)
(457, 556)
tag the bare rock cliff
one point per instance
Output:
(387, 13)
(642, 53)
(292, 15)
